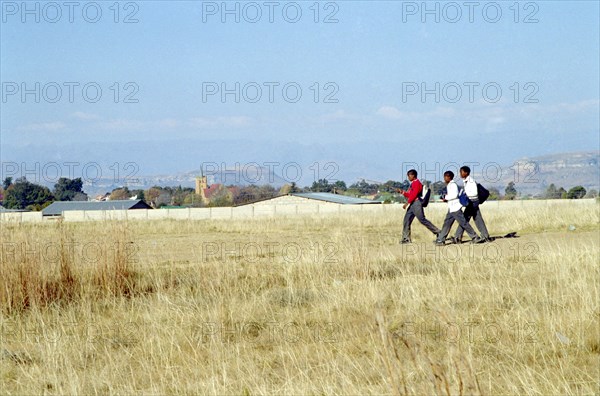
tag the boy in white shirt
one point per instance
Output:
(454, 212)
(472, 209)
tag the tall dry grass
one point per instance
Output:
(229, 307)
(51, 266)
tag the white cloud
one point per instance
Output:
(237, 121)
(492, 116)
(120, 124)
(443, 112)
(85, 116)
(394, 113)
(169, 123)
(219, 122)
(339, 115)
(578, 107)
(390, 112)
(43, 126)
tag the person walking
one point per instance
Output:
(415, 208)
(454, 212)
(472, 209)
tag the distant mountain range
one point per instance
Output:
(530, 175)
(178, 161)
(533, 175)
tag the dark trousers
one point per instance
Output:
(459, 217)
(472, 212)
(416, 210)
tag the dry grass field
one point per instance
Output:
(303, 305)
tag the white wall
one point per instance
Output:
(18, 217)
(281, 206)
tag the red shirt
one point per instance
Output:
(413, 191)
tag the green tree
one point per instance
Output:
(178, 194)
(247, 194)
(562, 193)
(552, 192)
(152, 195)
(438, 187)
(66, 189)
(6, 183)
(364, 188)
(193, 200)
(322, 185)
(494, 194)
(253, 193)
(119, 194)
(221, 197)
(510, 192)
(163, 199)
(339, 186)
(139, 193)
(576, 192)
(285, 189)
(267, 191)
(22, 194)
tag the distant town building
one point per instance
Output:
(207, 193)
(100, 198)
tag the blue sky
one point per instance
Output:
(369, 57)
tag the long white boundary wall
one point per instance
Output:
(262, 209)
(20, 217)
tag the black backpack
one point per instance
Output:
(482, 193)
(425, 197)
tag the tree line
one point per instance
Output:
(23, 194)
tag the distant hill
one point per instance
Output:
(532, 175)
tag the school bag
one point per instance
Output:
(463, 198)
(482, 193)
(425, 194)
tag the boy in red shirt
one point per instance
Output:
(415, 209)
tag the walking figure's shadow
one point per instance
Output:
(510, 235)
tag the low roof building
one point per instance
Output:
(312, 198)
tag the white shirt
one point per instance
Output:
(470, 187)
(452, 197)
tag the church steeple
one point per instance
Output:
(201, 185)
